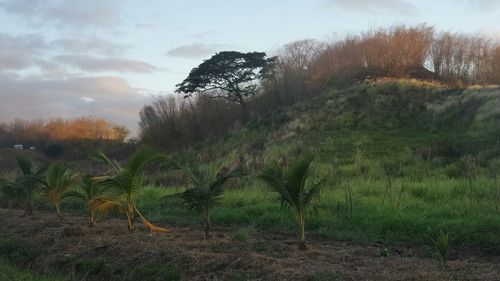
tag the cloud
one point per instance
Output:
(140, 25)
(104, 97)
(90, 63)
(376, 6)
(18, 52)
(484, 5)
(206, 33)
(196, 50)
(88, 44)
(64, 13)
(21, 52)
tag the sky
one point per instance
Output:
(108, 58)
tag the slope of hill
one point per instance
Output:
(401, 161)
(404, 164)
(402, 120)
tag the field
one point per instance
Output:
(65, 248)
(407, 177)
(413, 214)
(388, 235)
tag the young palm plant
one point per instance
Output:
(206, 191)
(125, 181)
(86, 191)
(57, 181)
(294, 191)
(12, 192)
(23, 188)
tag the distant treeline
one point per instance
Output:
(40, 132)
(306, 68)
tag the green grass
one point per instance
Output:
(412, 134)
(11, 273)
(411, 214)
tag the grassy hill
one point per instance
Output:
(401, 161)
(390, 120)
(404, 162)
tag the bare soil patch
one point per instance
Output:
(109, 251)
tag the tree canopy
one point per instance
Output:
(227, 75)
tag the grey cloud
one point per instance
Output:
(18, 52)
(113, 99)
(64, 13)
(206, 33)
(195, 50)
(90, 63)
(484, 5)
(379, 6)
(89, 44)
(143, 26)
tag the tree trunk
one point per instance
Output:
(302, 243)
(129, 221)
(92, 219)
(130, 212)
(58, 211)
(208, 227)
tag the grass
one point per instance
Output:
(407, 215)
(9, 272)
(396, 193)
(421, 131)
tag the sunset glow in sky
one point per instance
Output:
(106, 58)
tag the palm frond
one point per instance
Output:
(104, 205)
(196, 175)
(88, 187)
(86, 190)
(74, 194)
(221, 179)
(57, 180)
(150, 226)
(25, 165)
(291, 185)
(201, 198)
(297, 175)
(98, 155)
(137, 162)
(275, 178)
(12, 190)
(312, 192)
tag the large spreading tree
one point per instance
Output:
(228, 75)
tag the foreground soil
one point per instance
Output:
(110, 252)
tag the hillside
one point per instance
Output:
(401, 160)
(404, 163)
(403, 120)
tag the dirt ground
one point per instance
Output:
(110, 252)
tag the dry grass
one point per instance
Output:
(410, 82)
(109, 251)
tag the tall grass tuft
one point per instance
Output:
(442, 246)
